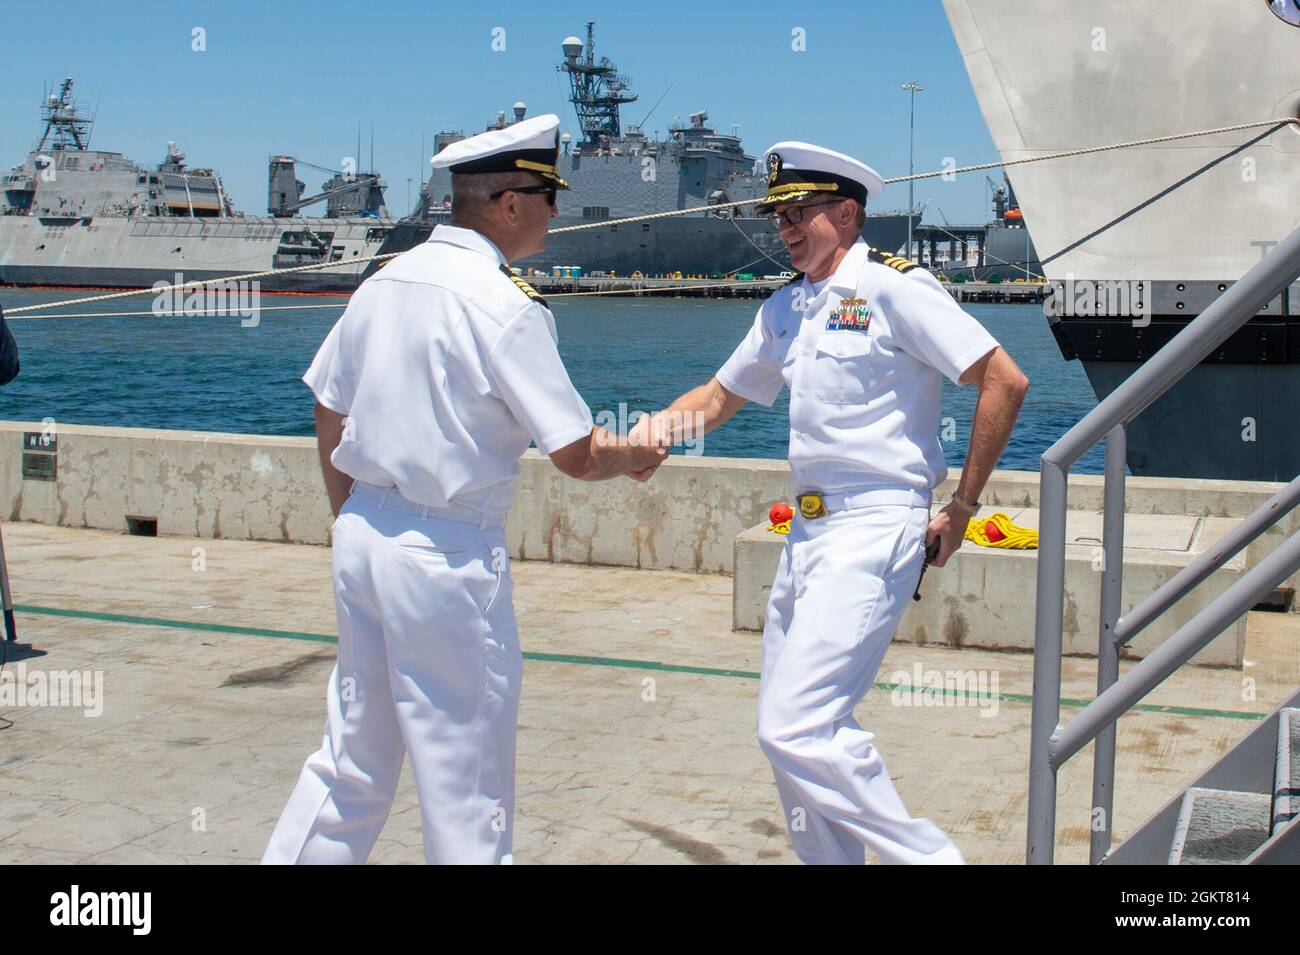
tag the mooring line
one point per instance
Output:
(1278, 123)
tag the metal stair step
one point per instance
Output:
(1282, 847)
(1286, 785)
(1220, 827)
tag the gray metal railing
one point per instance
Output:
(1050, 743)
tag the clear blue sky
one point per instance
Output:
(283, 76)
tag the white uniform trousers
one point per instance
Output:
(841, 587)
(429, 664)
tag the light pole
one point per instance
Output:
(912, 88)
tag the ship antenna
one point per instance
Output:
(45, 99)
(641, 125)
(94, 116)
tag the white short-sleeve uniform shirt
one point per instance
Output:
(862, 358)
(446, 370)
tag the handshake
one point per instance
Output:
(648, 441)
(640, 450)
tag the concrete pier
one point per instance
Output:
(175, 581)
(636, 739)
(694, 517)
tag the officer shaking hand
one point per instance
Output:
(430, 387)
(860, 338)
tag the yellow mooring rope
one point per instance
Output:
(1005, 534)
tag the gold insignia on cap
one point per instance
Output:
(773, 167)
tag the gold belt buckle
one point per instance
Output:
(811, 506)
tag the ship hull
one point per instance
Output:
(1197, 429)
(107, 252)
(692, 245)
(1051, 77)
(1009, 254)
(1166, 218)
(124, 253)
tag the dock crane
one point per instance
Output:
(999, 198)
(347, 193)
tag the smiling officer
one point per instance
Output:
(429, 388)
(860, 338)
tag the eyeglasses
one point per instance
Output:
(794, 215)
(550, 192)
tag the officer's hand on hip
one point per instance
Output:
(949, 525)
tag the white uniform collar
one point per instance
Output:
(846, 275)
(467, 239)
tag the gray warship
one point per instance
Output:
(1008, 246)
(1005, 251)
(618, 172)
(75, 216)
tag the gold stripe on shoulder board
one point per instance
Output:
(893, 261)
(523, 286)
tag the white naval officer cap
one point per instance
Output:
(797, 170)
(531, 145)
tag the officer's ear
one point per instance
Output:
(508, 206)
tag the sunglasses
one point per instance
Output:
(794, 215)
(550, 192)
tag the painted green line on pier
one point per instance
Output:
(918, 693)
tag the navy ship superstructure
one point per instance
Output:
(75, 216)
(617, 172)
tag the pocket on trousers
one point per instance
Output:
(909, 541)
(498, 566)
(338, 523)
(492, 592)
(891, 556)
(427, 548)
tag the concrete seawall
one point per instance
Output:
(247, 487)
(251, 487)
(688, 517)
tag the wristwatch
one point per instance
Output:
(966, 507)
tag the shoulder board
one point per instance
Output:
(798, 277)
(523, 286)
(893, 261)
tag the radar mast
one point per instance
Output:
(68, 129)
(598, 90)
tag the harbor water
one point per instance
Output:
(625, 355)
